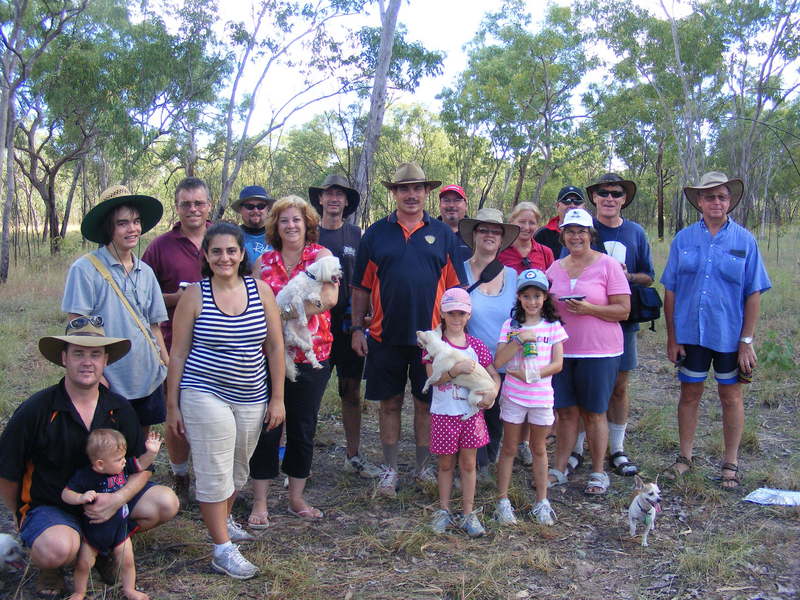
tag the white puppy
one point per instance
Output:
(644, 507)
(306, 285)
(444, 358)
(11, 555)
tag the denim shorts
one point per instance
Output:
(630, 355)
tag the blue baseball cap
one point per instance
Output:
(255, 192)
(532, 277)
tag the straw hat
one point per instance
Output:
(714, 179)
(353, 197)
(83, 331)
(466, 227)
(150, 211)
(410, 172)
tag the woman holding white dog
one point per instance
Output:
(292, 231)
(592, 296)
(221, 331)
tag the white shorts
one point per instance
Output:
(511, 412)
(222, 437)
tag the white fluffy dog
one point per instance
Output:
(11, 556)
(444, 358)
(305, 286)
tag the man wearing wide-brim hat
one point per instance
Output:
(44, 443)
(405, 262)
(713, 283)
(626, 241)
(115, 284)
(335, 200)
(253, 205)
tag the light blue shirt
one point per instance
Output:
(255, 244)
(712, 278)
(490, 312)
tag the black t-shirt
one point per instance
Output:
(343, 243)
(44, 443)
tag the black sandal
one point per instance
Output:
(578, 462)
(625, 466)
(673, 473)
(723, 480)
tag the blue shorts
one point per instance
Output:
(586, 383)
(630, 355)
(388, 367)
(151, 409)
(698, 359)
(40, 518)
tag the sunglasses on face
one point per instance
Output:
(612, 193)
(573, 200)
(526, 262)
(489, 231)
(81, 322)
(250, 206)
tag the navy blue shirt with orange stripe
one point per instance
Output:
(406, 272)
(44, 443)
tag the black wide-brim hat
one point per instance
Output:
(613, 179)
(353, 197)
(150, 212)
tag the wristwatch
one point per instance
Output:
(746, 339)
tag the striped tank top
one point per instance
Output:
(226, 358)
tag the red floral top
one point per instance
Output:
(273, 273)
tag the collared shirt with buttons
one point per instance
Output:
(712, 277)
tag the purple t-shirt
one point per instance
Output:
(589, 337)
(174, 258)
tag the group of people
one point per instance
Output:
(190, 336)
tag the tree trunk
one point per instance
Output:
(70, 196)
(8, 146)
(376, 109)
(523, 169)
(660, 188)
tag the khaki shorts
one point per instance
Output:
(222, 437)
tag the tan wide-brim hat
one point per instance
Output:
(410, 172)
(150, 211)
(353, 197)
(714, 179)
(466, 227)
(88, 335)
(613, 179)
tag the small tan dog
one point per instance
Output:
(444, 358)
(644, 507)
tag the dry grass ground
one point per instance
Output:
(707, 544)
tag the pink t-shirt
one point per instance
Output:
(590, 337)
(449, 399)
(538, 393)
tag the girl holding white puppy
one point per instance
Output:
(531, 343)
(452, 436)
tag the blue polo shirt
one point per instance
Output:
(406, 272)
(711, 278)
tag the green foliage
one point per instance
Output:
(777, 352)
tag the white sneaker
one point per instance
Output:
(232, 563)
(237, 533)
(441, 519)
(361, 467)
(387, 482)
(427, 474)
(471, 524)
(504, 512)
(543, 512)
(524, 454)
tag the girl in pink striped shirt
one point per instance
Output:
(530, 346)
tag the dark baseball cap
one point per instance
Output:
(571, 190)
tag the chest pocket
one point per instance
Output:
(688, 260)
(732, 268)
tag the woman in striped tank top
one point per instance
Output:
(217, 394)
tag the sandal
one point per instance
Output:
(597, 481)
(307, 514)
(622, 465)
(673, 473)
(50, 584)
(561, 478)
(258, 520)
(725, 482)
(550, 439)
(574, 463)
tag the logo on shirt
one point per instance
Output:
(348, 251)
(430, 239)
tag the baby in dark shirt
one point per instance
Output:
(107, 472)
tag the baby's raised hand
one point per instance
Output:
(88, 497)
(153, 442)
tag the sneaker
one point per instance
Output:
(524, 454)
(472, 525)
(504, 512)
(543, 512)
(441, 519)
(232, 563)
(361, 467)
(237, 533)
(427, 475)
(387, 482)
(180, 483)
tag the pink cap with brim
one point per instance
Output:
(456, 299)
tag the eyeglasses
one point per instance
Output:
(489, 231)
(81, 322)
(250, 206)
(451, 200)
(712, 197)
(576, 232)
(573, 200)
(188, 204)
(607, 193)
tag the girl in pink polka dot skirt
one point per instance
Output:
(450, 435)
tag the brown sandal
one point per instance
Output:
(726, 481)
(673, 473)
